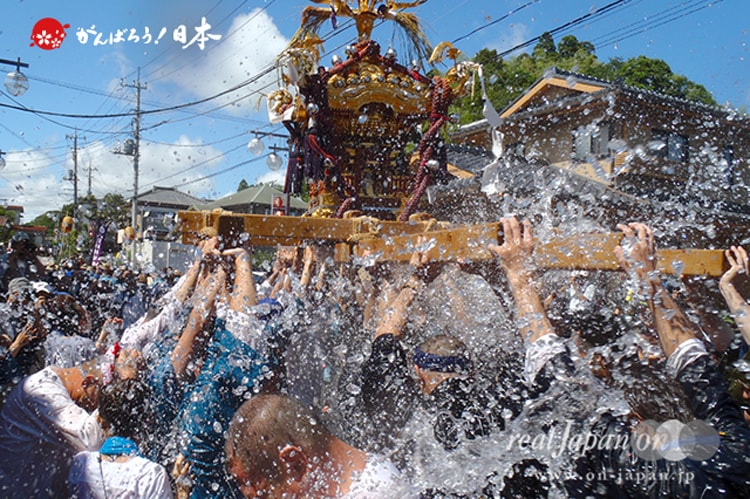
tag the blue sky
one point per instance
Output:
(201, 149)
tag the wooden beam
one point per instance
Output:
(579, 252)
(285, 230)
(385, 241)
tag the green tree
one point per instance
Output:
(116, 209)
(545, 47)
(576, 56)
(6, 216)
(647, 73)
(692, 91)
(569, 47)
(656, 75)
(508, 78)
(243, 185)
(48, 220)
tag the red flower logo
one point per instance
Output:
(48, 34)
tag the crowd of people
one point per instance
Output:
(319, 380)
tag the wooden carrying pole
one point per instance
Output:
(579, 252)
(386, 241)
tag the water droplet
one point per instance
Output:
(353, 389)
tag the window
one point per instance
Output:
(728, 165)
(591, 140)
(672, 146)
(517, 148)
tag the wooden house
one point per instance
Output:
(629, 139)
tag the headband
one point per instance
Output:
(440, 363)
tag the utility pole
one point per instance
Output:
(90, 168)
(75, 170)
(136, 153)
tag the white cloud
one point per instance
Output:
(29, 181)
(248, 48)
(278, 177)
(185, 161)
(32, 179)
(517, 34)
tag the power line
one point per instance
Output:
(150, 111)
(194, 145)
(203, 162)
(655, 23)
(226, 170)
(499, 19)
(23, 139)
(129, 100)
(568, 25)
(642, 22)
(212, 110)
(185, 170)
(44, 116)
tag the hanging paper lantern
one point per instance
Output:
(67, 224)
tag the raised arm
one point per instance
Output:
(395, 316)
(243, 294)
(516, 259)
(208, 252)
(33, 329)
(637, 256)
(366, 297)
(738, 264)
(186, 346)
(307, 267)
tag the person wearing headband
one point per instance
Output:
(444, 376)
(49, 417)
(118, 469)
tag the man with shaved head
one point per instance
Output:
(277, 447)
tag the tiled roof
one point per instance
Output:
(470, 127)
(470, 158)
(257, 194)
(578, 77)
(168, 196)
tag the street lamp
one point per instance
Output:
(16, 82)
(255, 146)
(274, 161)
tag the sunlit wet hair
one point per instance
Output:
(125, 407)
(650, 392)
(266, 424)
